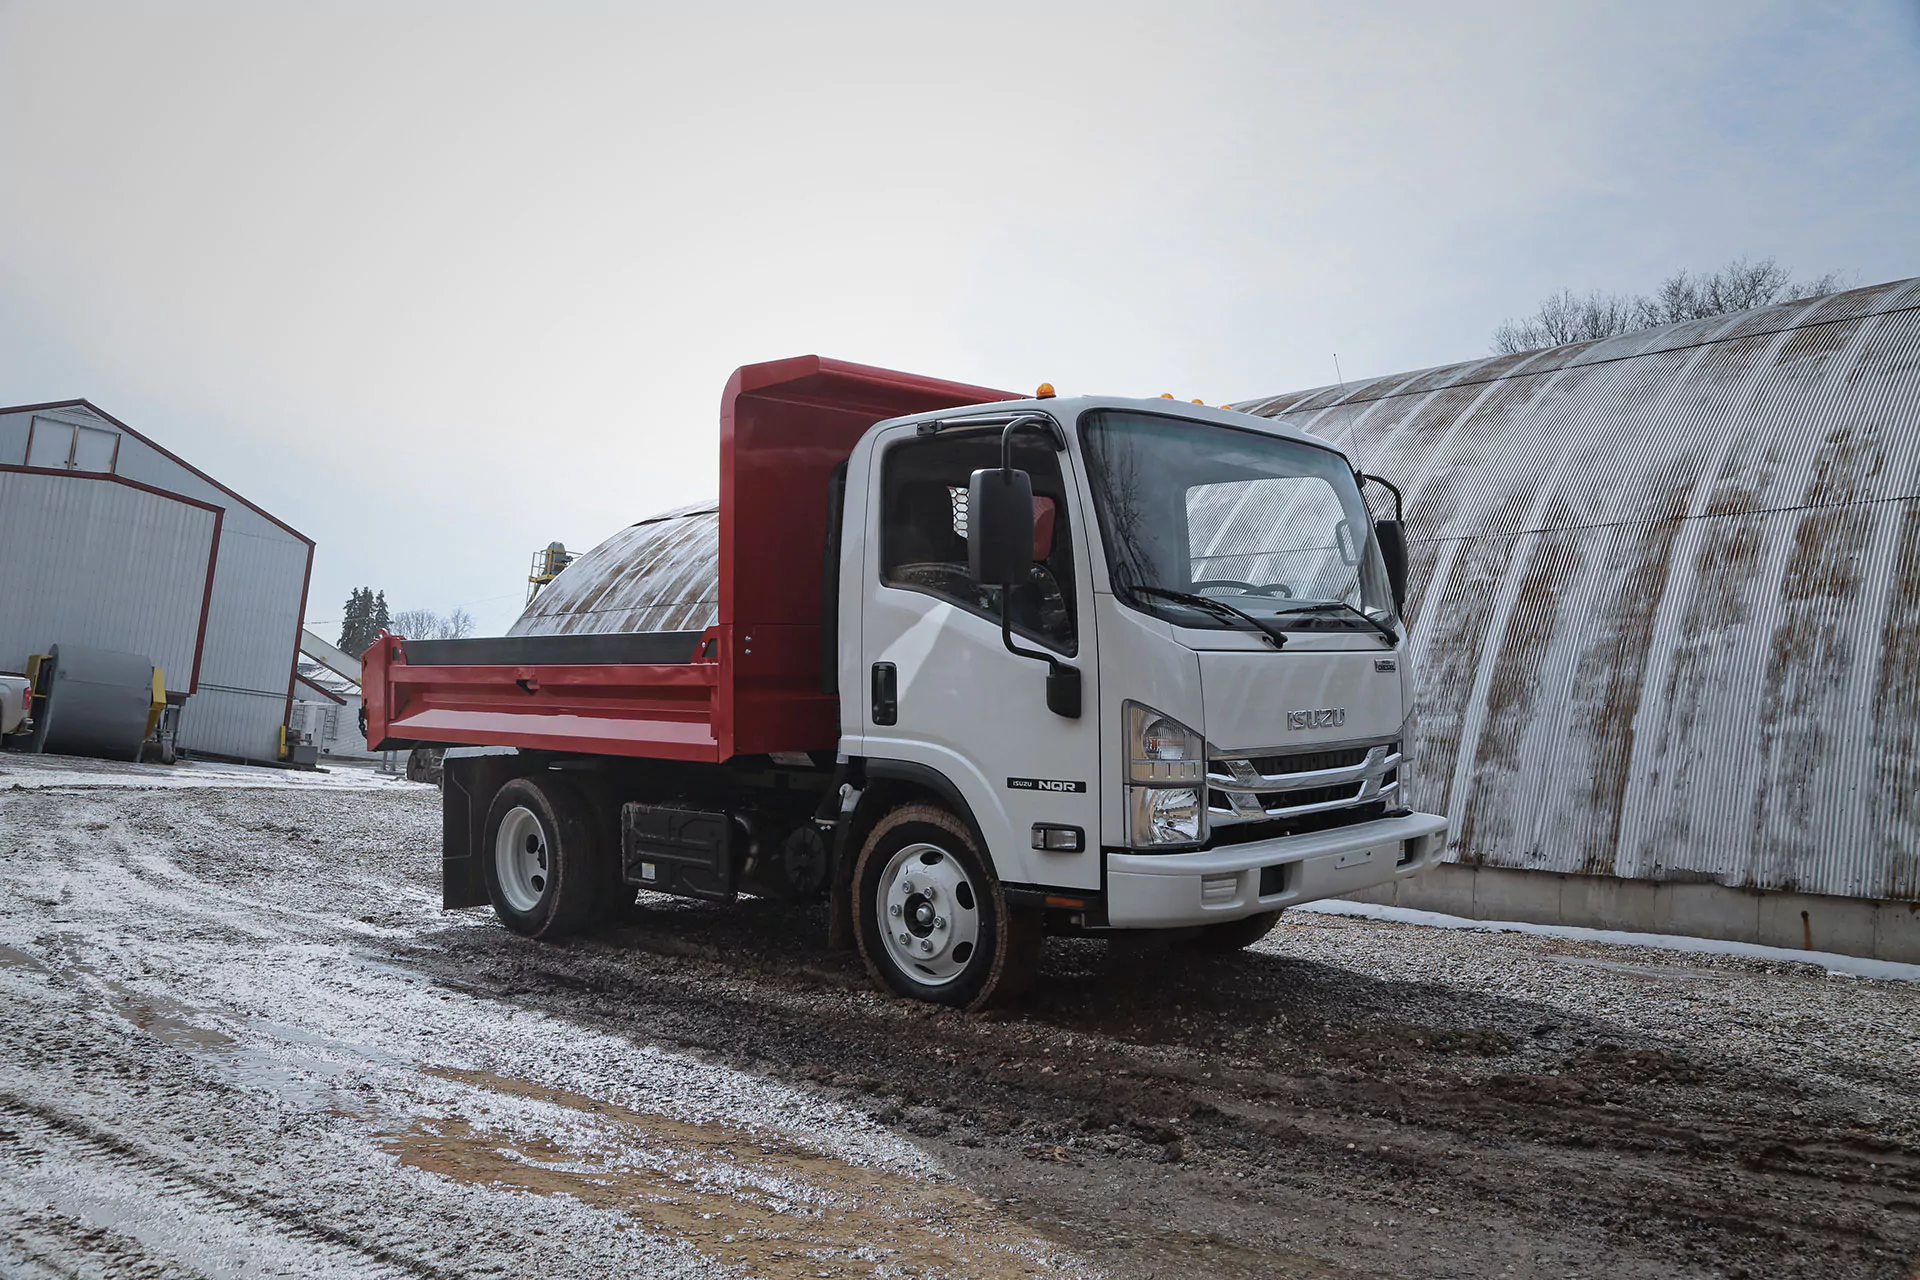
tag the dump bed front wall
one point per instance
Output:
(784, 427)
(1667, 595)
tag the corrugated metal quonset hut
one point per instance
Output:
(1666, 600)
(110, 541)
(662, 574)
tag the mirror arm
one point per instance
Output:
(1390, 487)
(1063, 698)
(1006, 634)
(1030, 420)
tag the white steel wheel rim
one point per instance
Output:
(522, 859)
(929, 914)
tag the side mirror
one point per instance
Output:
(1392, 536)
(999, 526)
(1063, 691)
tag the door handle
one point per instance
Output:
(886, 694)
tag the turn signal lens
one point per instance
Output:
(1162, 750)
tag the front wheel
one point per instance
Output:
(930, 918)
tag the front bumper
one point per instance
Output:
(1169, 890)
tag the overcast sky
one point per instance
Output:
(437, 284)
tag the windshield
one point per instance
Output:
(1274, 527)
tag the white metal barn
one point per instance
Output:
(108, 540)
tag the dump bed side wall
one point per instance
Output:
(752, 683)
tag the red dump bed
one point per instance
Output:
(748, 685)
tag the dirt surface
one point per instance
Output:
(237, 1037)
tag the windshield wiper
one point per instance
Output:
(1219, 607)
(1321, 606)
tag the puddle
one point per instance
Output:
(164, 1018)
(746, 1201)
(13, 959)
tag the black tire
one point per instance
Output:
(564, 891)
(1003, 951)
(1231, 935)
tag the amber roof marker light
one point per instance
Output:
(1044, 391)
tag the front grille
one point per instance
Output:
(1256, 787)
(1312, 795)
(1310, 761)
(1218, 799)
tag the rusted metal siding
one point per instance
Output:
(662, 574)
(1667, 594)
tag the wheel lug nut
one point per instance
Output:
(894, 909)
(930, 894)
(939, 922)
(905, 940)
(926, 944)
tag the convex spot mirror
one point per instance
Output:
(999, 526)
(1392, 536)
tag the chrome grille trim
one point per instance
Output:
(1251, 795)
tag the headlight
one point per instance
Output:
(1167, 770)
(1166, 815)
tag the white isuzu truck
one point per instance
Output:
(977, 669)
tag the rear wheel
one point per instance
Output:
(1232, 935)
(930, 918)
(540, 857)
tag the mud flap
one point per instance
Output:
(468, 786)
(461, 884)
(840, 807)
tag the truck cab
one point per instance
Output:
(1210, 588)
(975, 668)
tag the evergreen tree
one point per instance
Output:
(353, 622)
(377, 619)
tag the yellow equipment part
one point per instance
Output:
(159, 704)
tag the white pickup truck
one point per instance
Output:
(16, 705)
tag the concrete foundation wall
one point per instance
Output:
(1882, 930)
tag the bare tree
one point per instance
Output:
(1739, 286)
(425, 624)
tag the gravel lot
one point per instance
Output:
(237, 1037)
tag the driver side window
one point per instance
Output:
(923, 532)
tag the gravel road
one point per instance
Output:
(239, 1038)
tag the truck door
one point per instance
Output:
(940, 688)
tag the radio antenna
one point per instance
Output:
(1353, 438)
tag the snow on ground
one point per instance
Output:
(29, 772)
(215, 1061)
